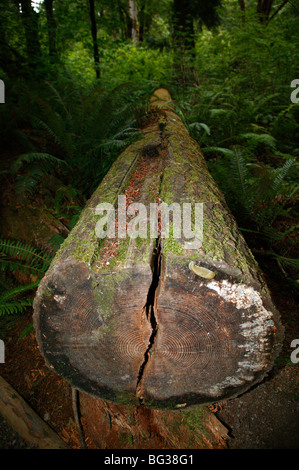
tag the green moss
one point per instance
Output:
(171, 245)
(125, 398)
(46, 292)
(195, 419)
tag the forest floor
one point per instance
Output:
(265, 417)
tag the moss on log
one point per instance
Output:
(139, 320)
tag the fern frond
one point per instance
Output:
(11, 308)
(281, 174)
(239, 172)
(33, 157)
(254, 140)
(17, 249)
(17, 291)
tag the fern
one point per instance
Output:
(31, 167)
(254, 140)
(45, 160)
(253, 191)
(239, 172)
(11, 304)
(89, 128)
(16, 256)
(14, 307)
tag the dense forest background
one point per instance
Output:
(78, 75)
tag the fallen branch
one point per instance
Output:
(23, 419)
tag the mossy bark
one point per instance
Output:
(133, 320)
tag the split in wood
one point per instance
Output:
(150, 314)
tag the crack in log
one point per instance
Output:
(150, 313)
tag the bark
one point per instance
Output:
(51, 23)
(134, 20)
(138, 321)
(110, 426)
(94, 37)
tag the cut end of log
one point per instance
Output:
(215, 339)
(153, 321)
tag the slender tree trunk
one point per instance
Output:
(94, 37)
(30, 21)
(11, 61)
(145, 20)
(134, 18)
(123, 22)
(141, 23)
(263, 10)
(242, 6)
(278, 10)
(183, 40)
(51, 29)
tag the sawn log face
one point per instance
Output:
(97, 348)
(214, 340)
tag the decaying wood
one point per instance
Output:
(23, 419)
(137, 427)
(141, 321)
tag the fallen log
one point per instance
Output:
(162, 319)
(23, 419)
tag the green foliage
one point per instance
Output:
(75, 131)
(261, 198)
(138, 64)
(31, 167)
(17, 257)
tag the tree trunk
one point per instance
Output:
(51, 30)
(94, 38)
(134, 19)
(142, 22)
(242, 6)
(30, 21)
(277, 10)
(264, 9)
(165, 322)
(183, 41)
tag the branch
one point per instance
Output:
(276, 11)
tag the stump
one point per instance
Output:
(161, 321)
